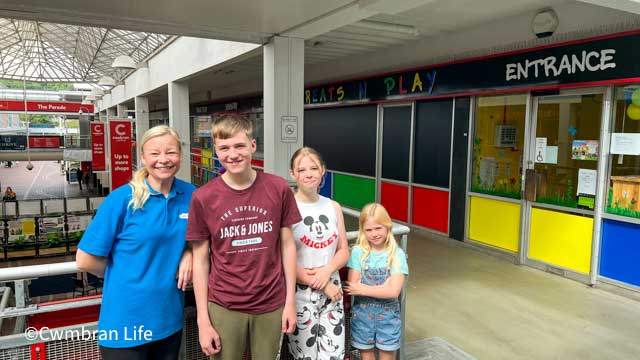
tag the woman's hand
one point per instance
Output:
(333, 292)
(354, 288)
(185, 269)
(320, 276)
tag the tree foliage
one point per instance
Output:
(32, 85)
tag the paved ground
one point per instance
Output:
(45, 181)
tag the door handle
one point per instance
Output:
(530, 185)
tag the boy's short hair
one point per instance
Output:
(229, 125)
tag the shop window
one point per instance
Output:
(201, 132)
(624, 184)
(567, 144)
(258, 133)
(498, 144)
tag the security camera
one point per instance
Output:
(29, 166)
(544, 23)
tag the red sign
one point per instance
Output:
(120, 147)
(97, 146)
(196, 156)
(46, 106)
(44, 142)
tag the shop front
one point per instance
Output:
(534, 153)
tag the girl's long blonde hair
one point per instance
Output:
(140, 190)
(378, 214)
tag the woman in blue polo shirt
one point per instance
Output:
(137, 240)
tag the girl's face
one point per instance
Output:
(308, 173)
(376, 234)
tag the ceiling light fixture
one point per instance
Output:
(123, 62)
(107, 81)
(387, 27)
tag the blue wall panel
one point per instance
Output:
(325, 190)
(620, 255)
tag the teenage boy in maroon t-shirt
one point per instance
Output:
(244, 217)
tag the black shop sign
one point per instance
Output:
(13, 142)
(590, 60)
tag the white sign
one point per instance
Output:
(587, 182)
(541, 150)
(625, 143)
(551, 156)
(289, 129)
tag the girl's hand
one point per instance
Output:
(333, 292)
(354, 288)
(185, 269)
(321, 276)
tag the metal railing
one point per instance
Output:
(77, 142)
(44, 227)
(18, 342)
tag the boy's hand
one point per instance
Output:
(333, 292)
(288, 318)
(209, 340)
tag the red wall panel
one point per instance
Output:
(395, 198)
(431, 209)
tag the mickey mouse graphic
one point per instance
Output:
(319, 227)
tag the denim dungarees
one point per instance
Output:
(375, 322)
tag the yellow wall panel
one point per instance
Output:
(496, 223)
(561, 239)
(207, 157)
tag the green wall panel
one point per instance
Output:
(352, 191)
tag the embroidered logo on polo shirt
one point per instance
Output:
(184, 216)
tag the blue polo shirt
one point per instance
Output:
(140, 295)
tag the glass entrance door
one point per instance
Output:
(561, 181)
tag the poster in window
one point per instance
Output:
(22, 231)
(51, 232)
(584, 150)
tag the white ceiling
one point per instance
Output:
(332, 29)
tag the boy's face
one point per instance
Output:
(235, 152)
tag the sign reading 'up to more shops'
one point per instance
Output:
(97, 147)
(120, 146)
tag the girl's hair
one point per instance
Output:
(313, 154)
(227, 126)
(378, 214)
(137, 183)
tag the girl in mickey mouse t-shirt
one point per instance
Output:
(322, 249)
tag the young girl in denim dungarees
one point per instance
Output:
(377, 267)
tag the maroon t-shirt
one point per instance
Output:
(243, 227)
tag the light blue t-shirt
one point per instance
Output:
(378, 260)
(140, 299)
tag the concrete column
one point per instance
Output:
(106, 176)
(103, 116)
(121, 110)
(111, 113)
(142, 121)
(179, 120)
(283, 102)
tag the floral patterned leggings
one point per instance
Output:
(319, 332)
